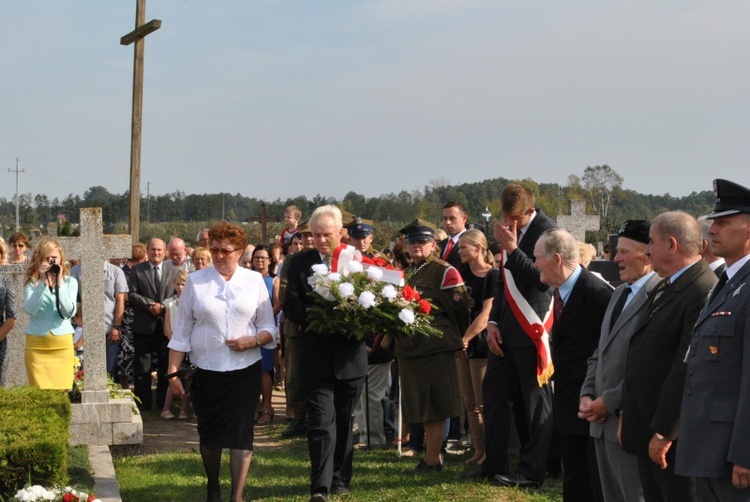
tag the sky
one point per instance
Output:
(275, 99)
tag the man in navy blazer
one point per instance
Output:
(454, 223)
(510, 387)
(715, 419)
(581, 299)
(331, 367)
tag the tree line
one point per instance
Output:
(600, 186)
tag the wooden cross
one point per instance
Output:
(137, 36)
(263, 220)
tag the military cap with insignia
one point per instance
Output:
(636, 230)
(347, 218)
(304, 228)
(731, 198)
(418, 230)
(360, 229)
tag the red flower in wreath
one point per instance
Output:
(69, 497)
(425, 307)
(410, 294)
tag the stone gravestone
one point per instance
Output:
(578, 221)
(97, 419)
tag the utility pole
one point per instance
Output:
(148, 201)
(18, 195)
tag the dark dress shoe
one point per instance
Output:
(340, 490)
(515, 480)
(476, 474)
(297, 428)
(423, 467)
(319, 497)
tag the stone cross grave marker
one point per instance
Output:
(97, 419)
(92, 248)
(577, 222)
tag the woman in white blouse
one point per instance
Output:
(225, 316)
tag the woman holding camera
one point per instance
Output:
(50, 300)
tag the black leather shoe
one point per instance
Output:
(298, 427)
(515, 480)
(340, 490)
(423, 467)
(319, 497)
(476, 474)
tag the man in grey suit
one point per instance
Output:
(715, 416)
(601, 391)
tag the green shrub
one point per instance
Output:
(34, 427)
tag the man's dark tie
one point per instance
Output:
(660, 288)
(719, 286)
(619, 306)
(157, 279)
(558, 305)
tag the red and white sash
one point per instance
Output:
(536, 329)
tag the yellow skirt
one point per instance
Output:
(49, 361)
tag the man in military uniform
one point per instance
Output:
(715, 416)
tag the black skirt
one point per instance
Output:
(225, 402)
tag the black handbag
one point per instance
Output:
(185, 374)
(478, 346)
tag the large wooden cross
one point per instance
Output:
(263, 220)
(137, 36)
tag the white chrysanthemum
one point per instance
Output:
(320, 269)
(407, 316)
(346, 289)
(355, 266)
(334, 276)
(366, 299)
(375, 273)
(389, 292)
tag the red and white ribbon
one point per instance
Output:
(536, 329)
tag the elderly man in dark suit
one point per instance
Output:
(150, 283)
(654, 370)
(513, 385)
(331, 366)
(715, 420)
(580, 301)
(601, 392)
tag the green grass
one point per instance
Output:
(284, 475)
(79, 468)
